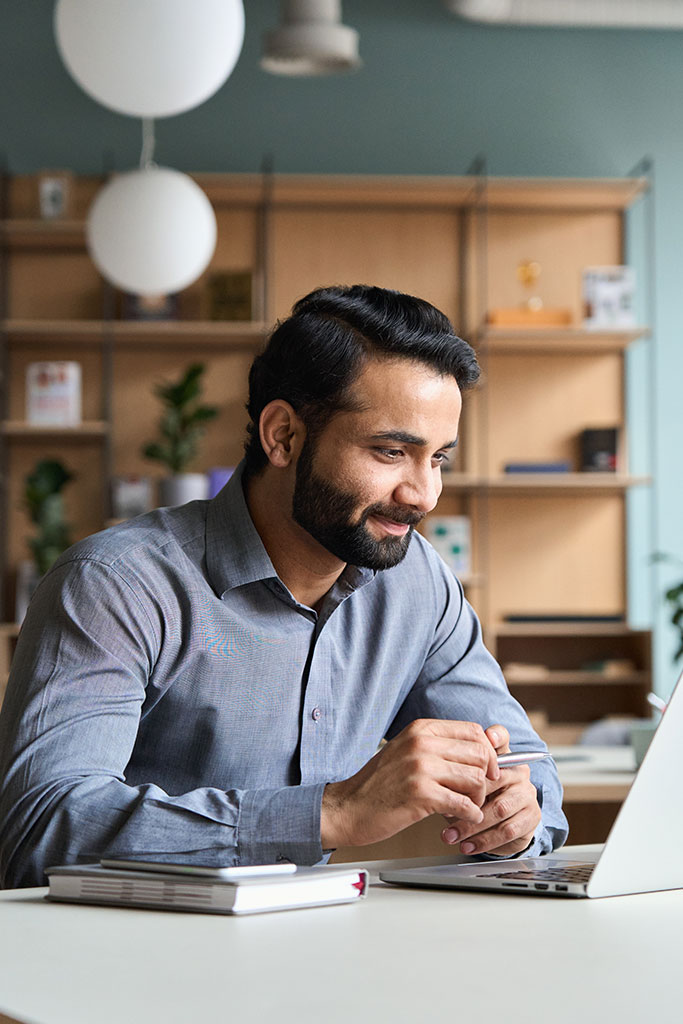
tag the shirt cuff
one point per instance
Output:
(280, 824)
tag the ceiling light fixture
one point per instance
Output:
(311, 41)
(663, 14)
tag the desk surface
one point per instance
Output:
(402, 955)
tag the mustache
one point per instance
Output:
(395, 513)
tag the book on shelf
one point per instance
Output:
(234, 891)
(555, 466)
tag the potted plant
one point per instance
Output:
(45, 505)
(182, 424)
(674, 598)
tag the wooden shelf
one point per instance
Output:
(575, 483)
(565, 628)
(426, 190)
(550, 483)
(85, 431)
(25, 233)
(569, 194)
(415, 191)
(229, 334)
(558, 678)
(557, 341)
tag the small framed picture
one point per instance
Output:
(609, 298)
(53, 394)
(228, 295)
(55, 190)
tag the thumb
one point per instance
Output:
(499, 737)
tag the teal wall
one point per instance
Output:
(433, 92)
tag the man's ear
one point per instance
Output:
(282, 433)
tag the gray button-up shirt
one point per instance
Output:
(169, 697)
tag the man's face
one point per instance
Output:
(374, 473)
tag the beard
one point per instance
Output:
(326, 512)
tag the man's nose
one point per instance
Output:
(420, 490)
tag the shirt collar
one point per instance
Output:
(235, 554)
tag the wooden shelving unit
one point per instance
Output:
(84, 431)
(546, 543)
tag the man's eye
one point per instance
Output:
(441, 458)
(391, 453)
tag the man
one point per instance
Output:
(211, 683)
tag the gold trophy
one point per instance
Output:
(531, 312)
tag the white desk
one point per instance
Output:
(401, 956)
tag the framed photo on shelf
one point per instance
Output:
(609, 298)
(53, 394)
(229, 295)
(54, 194)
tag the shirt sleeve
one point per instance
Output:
(461, 680)
(77, 691)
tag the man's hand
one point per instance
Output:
(431, 767)
(510, 811)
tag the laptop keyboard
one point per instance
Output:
(570, 873)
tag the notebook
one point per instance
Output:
(160, 887)
(642, 852)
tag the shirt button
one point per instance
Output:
(316, 714)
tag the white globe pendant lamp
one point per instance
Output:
(149, 58)
(151, 231)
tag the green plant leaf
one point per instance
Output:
(182, 422)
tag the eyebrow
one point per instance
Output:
(403, 438)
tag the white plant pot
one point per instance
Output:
(177, 490)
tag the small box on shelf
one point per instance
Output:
(131, 496)
(599, 449)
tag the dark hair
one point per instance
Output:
(314, 356)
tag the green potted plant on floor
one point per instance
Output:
(181, 426)
(44, 503)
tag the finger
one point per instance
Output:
(509, 837)
(499, 737)
(510, 779)
(461, 806)
(517, 775)
(520, 798)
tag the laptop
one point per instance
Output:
(642, 852)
